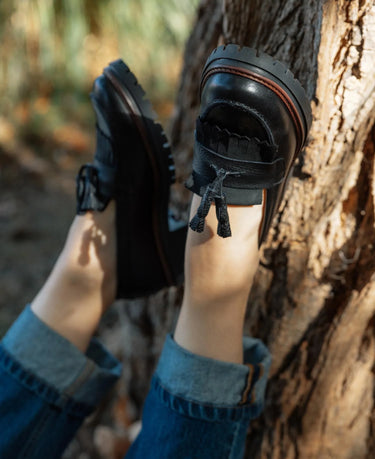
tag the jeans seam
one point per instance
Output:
(249, 383)
(80, 380)
(37, 432)
(235, 435)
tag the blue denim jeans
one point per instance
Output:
(196, 407)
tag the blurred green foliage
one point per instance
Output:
(52, 50)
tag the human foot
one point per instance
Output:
(122, 248)
(253, 121)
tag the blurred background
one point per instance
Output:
(51, 51)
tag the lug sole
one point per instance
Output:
(160, 159)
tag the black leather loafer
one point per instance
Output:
(253, 122)
(134, 166)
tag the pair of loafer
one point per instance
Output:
(253, 122)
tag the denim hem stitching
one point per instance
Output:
(192, 408)
(40, 387)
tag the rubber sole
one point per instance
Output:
(159, 155)
(269, 67)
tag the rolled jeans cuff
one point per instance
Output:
(213, 382)
(55, 361)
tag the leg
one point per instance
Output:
(218, 277)
(82, 284)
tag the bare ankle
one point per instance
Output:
(82, 284)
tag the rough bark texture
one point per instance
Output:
(313, 300)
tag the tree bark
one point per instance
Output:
(313, 300)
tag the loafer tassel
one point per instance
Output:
(214, 192)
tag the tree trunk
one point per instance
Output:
(313, 300)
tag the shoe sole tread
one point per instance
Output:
(126, 85)
(128, 78)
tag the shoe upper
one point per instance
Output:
(252, 126)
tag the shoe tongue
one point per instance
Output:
(232, 145)
(104, 149)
